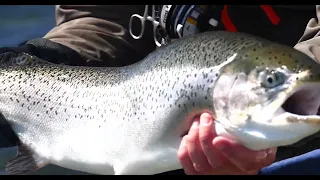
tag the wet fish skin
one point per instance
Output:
(266, 116)
(126, 120)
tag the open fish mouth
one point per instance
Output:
(292, 116)
(303, 105)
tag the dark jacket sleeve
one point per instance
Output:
(100, 33)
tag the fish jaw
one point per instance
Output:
(276, 126)
(257, 136)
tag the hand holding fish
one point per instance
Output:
(203, 152)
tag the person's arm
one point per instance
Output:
(99, 33)
(91, 35)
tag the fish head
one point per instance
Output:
(268, 96)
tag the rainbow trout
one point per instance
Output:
(130, 120)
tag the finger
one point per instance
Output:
(184, 159)
(219, 163)
(206, 135)
(271, 157)
(222, 165)
(200, 163)
(246, 159)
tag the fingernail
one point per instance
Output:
(184, 141)
(271, 150)
(220, 146)
(262, 155)
(195, 125)
(205, 120)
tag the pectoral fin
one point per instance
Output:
(25, 162)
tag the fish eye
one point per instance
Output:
(272, 79)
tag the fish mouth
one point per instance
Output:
(303, 104)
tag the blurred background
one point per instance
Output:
(19, 23)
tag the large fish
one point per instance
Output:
(130, 120)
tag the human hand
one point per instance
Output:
(203, 152)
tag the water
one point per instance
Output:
(22, 22)
(19, 23)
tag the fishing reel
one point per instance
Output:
(175, 21)
(183, 20)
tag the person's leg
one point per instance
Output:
(100, 33)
